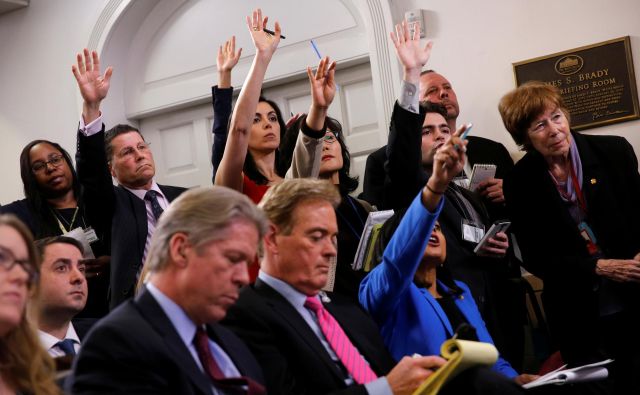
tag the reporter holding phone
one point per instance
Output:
(410, 294)
(416, 131)
(573, 201)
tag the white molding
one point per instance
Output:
(106, 22)
(375, 17)
(385, 73)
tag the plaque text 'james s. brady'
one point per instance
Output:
(597, 82)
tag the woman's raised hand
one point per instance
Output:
(323, 86)
(264, 42)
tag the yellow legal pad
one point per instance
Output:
(460, 355)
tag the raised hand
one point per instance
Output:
(447, 163)
(323, 86)
(92, 84)
(409, 51)
(227, 55)
(264, 42)
(226, 61)
(449, 159)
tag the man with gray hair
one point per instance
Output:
(167, 339)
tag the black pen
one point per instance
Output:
(273, 33)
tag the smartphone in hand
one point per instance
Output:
(497, 227)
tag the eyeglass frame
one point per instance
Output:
(333, 136)
(25, 264)
(55, 160)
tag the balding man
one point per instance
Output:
(167, 340)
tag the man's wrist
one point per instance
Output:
(412, 75)
(90, 112)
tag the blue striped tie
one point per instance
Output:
(151, 197)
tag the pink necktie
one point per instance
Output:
(350, 357)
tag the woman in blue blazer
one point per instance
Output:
(409, 294)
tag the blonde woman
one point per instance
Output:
(25, 367)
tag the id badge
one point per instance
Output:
(90, 234)
(588, 236)
(472, 231)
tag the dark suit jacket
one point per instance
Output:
(485, 276)
(479, 150)
(292, 358)
(374, 175)
(136, 350)
(125, 211)
(96, 305)
(552, 247)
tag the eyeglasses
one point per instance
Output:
(329, 138)
(55, 160)
(129, 151)
(8, 261)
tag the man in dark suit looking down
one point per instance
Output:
(166, 340)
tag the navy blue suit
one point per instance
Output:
(136, 350)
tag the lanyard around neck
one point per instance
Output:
(61, 225)
(576, 186)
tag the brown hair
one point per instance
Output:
(42, 244)
(114, 132)
(24, 364)
(522, 105)
(280, 200)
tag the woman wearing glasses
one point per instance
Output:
(25, 367)
(351, 214)
(53, 206)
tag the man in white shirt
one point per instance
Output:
(63, 294)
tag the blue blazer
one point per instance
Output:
(410, 319)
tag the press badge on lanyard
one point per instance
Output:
(472, 231)
(584, 228)
(589, 237)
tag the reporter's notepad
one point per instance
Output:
(460, 355)
(481, 173)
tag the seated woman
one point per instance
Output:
(416, 310)
(25, 367)
(576, 196)
(351, 213)
(251, 160)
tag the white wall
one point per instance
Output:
(475, 43)
(37, 90)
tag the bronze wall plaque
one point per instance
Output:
(597, 82)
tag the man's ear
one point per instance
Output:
(270, 240)
(177, 246)
(111, 170)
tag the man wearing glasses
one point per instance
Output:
(133, 207)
